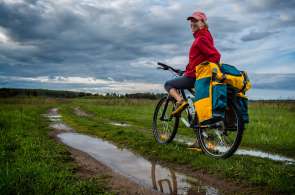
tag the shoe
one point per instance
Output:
(179, 107)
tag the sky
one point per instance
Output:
(113, 46)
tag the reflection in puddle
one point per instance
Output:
(255, 153)
(135, 167)
(122, 124)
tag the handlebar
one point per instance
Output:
(167, 67)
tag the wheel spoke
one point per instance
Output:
(220, 141)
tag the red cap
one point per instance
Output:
(198, 16)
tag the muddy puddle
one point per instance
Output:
(244, 152)
(122, 161)
(56, 122)
(136, 168)
(121, 124)
(148, 174)
(53, 115)
(55, 118)
(261, 154)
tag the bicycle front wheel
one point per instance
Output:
(164, 125)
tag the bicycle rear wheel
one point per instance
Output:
(222, 139)
(165, 126)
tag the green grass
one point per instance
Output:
(271, 128)
(277, 128)
(31, 162)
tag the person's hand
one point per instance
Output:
(180, 72)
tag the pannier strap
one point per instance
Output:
(246, 79)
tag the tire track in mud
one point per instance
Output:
(190, 141)
(89, 167)
(196, 182)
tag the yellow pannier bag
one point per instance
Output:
(210, 94)
(239, 81)
(212, 82)
(235, 78)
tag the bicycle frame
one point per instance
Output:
(188, 122)
(208, 135)
(177, 73)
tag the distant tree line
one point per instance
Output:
(152, 96)
(12, 92)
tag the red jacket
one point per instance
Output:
(201, 50)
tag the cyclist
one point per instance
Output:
(202, 49)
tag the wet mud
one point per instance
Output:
(245, 152)
(130, 173)
(121, 124)
(136, 168)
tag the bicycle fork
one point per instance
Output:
(162, 118)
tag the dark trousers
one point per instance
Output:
(181, 82)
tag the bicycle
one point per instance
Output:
(219, 139)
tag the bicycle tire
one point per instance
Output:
(237, 141)
(155, 122)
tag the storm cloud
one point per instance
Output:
(121, 40)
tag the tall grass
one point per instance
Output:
(31, 162)
(271, 127)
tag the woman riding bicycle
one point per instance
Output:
(202, 49)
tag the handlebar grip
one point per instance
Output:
(166, 67)
(162, 64)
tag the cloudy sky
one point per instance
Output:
(102, 45)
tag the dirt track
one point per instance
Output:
(90, 167)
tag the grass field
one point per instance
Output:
(24, 143)
(31, 162)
